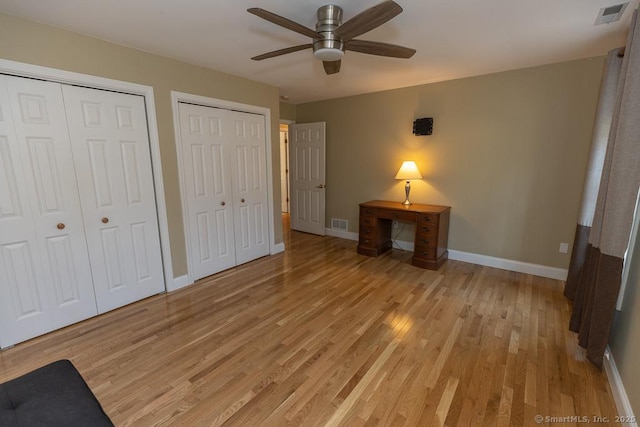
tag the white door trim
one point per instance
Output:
(68, 77)
(177, 97)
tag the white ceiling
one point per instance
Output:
(453, 38)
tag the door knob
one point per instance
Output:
(242, 200)
(222, 203)
(320, 186)
(61, 226)
(105, 220)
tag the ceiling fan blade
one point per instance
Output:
(282, 51)
(379, 48)
(284, 22)
(368, 20)
(331, 67)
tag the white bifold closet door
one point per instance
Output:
(45, 277)
(224, 174)
(249, 183)
(110, 146)
(207, 167)
(78, 227)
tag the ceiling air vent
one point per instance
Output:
(610, 14)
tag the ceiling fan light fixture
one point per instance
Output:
(328, 54)
(328, 49)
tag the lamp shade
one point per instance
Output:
(409, 170)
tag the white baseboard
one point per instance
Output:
(509, 264)
(182, 281)
(178, 282)
(277, 248)
(342, 234)
(488, 261)
(625, 411)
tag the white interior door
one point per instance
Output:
(110, 145)
(206, 159)
(45, 279)
(307, 176)
(249, 181)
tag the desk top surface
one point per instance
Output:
(414, 207)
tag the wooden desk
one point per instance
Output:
(432, 230)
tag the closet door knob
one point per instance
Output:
(105, 220)
(242, 200)
(222, 203)
(61, 226)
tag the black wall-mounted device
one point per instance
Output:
(423, 126)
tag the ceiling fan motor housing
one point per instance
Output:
(329, 48)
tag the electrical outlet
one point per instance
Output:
(395, 224)
(564, 248)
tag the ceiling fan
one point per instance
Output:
(332, 37)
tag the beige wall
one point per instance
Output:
(625, 336)
(508, 153)
(287, 111)
(34, 43)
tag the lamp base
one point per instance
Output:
(407, 188)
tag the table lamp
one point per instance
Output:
(408, 171)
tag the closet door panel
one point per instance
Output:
(249, 185)
(24, 303)
(44, 249)
(206, 160)
(23, 311)
(110, 147)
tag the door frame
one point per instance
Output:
(177, 97)
(20, 69)
(287, 122)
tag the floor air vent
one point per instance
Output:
(339, 224)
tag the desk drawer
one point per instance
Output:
(368, 230)
(367, 242)
(365, 211)
(396, 215)
(368, 235)
(426, 230)
(428, 219)
(426, 242)
(423, 252)
(368, 221)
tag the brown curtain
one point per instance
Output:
(601, 130)
(603, 232)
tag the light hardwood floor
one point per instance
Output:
(320, 335)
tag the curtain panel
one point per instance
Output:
(601, 130)
(608, 201)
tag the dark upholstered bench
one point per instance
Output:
(51, 396)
